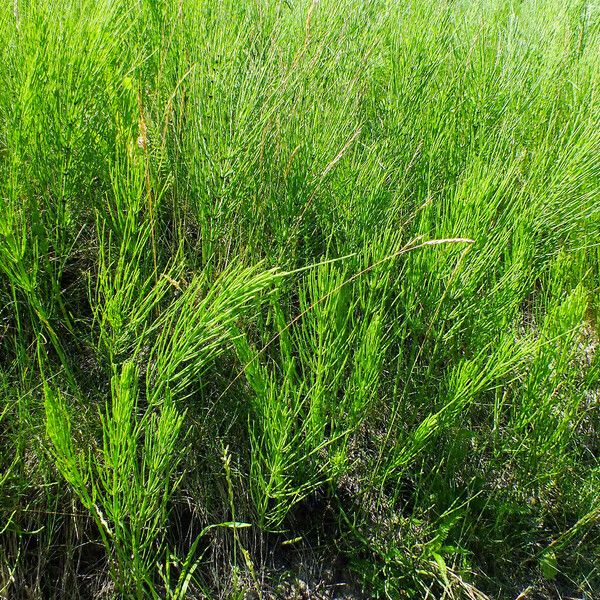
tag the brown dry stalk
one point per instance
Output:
(143, 144)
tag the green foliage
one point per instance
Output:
(354, 243)
(127, 484)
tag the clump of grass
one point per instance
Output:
(127, 484)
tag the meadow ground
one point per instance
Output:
(298, 299)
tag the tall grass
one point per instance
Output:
(286, 284)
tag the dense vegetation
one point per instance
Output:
(298, 299)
